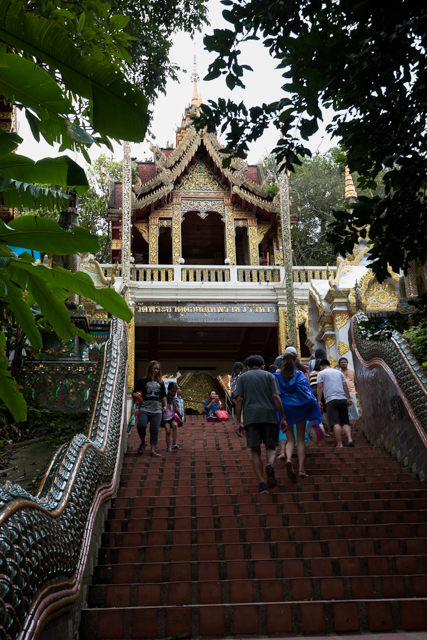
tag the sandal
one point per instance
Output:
(154, 454)
(303, 474)
(290, 471)
(141, 449)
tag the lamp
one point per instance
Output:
(181, 261)
(227, 261)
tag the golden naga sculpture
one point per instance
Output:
(108, 282)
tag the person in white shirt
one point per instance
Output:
(333, 385)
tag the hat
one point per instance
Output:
(291, 350)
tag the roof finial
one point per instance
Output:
(350, 194)
(195, 78)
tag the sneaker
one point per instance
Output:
(168, 450)
(271, 475)
(175, 446)
(263, 487)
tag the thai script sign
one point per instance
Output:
(203, 312)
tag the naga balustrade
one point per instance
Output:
(392, 388)
(45, 539)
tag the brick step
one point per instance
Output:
(260, 568)
(302, 532)
(365, 491)
(222, 481)
(257, 618)
(365, 509)
(338, 467)
(342, 500)
(149, 549)
(240, 591)
(160, 521)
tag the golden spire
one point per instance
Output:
(195, 78)
(350, 194)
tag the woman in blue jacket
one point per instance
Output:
(299, 405)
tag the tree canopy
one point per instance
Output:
(367, 61)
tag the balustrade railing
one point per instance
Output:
(305, 274)
(220, 274)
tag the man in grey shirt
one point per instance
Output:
(333, 385)
(257, 392)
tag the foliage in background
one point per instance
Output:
(93, 205)
(135, 35)
(417, 338)
(366, 61)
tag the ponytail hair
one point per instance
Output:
(288, 367)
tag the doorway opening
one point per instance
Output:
(242, 246)
(203, 239)
(165, 245)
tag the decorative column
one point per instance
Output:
(229, 231)
(285, 220)
(253, 242)
(153, 237)
(176, 231)
(126, 213)
(283, 329)
(126, 254)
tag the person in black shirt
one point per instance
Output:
(150, 392)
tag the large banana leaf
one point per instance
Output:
(52, 307)
(79, 283)
(12, 295)
(8, 141)
(31, 196)
(21, 81)
(118, 109)
(44, 234)
(61, 171)
(9, 392)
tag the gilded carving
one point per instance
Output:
(341, 318)
(253, 244)
(343, 347)
(154, 240)
(200, 177)
(334, 363)
(262, 230)
(283, 329)
(116, 244)
(176, 233)
(329, 340)
(131, 355)
(203, 207)
(143, 229)
(376, 296)
(229, 230)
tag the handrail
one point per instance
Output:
(45, 539)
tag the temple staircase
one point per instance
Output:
(191, 548)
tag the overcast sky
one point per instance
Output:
(262, 85)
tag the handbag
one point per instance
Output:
(177, 418)
(133, 416)
(221, 415)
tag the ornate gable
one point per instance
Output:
(200, 177)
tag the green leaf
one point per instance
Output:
(21, 311)
(9, 393)
(22, 194)
(53, 308)
(81, 284)
(80, 135)
(119, 21)
(24, 82)
(44, 234)
(8, 142)
(118, 109)
(60, 171)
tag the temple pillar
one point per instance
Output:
(285, 221)
(176, 232)
(126, 214)
(153, 237)
(253, 242)
(283, 329)
(230, 243)
(278, 255)
(131, 353)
